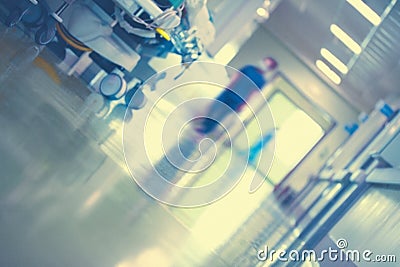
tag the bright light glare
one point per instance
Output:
(92, 199)
(262, 12)
(328, 72)
(295, 137)
(223, 218)
(366, 11)
(337, 63)
(153, 257)
(345, 39)
(226, 53)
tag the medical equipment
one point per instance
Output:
(108, 43)
(37, 16)
(166, 23)
(145, 23)
(113, 86)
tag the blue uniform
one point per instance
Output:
(235, 96)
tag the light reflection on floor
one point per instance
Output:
(65, 201)
(376, 213)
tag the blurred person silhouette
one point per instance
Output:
(238, 92)
(185, 155)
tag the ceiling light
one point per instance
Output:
(345, 39)
(328, 72)
(337, 63)
(262, 12)
(366, 11)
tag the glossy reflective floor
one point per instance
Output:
(63, 201)
(66, 198)
(376, 213)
